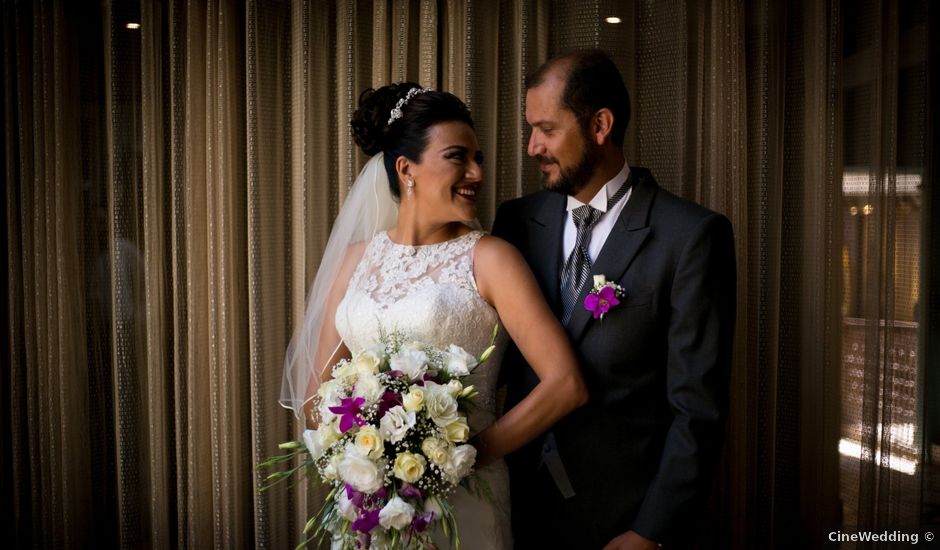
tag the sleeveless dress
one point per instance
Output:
(428, 293)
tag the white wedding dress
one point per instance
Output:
(428, 293)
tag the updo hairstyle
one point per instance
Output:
(408, 135)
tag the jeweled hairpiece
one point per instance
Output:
(396, 112)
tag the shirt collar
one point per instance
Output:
(604, 193)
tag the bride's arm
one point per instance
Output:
(330, 347)
(506, 282)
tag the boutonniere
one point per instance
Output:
(602, 297)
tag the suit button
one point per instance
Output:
(547, 448)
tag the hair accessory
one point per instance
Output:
(396, 112)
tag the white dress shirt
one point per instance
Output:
(602, 229)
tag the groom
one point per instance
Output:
(632, 468)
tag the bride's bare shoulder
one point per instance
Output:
(494, 251)
(357, 249)
(493, 245)
(497, 266)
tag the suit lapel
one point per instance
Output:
(625, 240)
(545, 228)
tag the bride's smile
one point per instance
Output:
(468, 192)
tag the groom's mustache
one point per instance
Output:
(545, 160)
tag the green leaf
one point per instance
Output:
(310, 523)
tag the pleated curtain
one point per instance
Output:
(170, 187)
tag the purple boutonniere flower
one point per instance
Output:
(602, 297)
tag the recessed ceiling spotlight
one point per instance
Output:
(613, 20)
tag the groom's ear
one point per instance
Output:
(602, 123)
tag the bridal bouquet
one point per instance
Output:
(390, 444)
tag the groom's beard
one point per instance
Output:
(573, 178)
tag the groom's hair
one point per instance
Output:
(592, 83)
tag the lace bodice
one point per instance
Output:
(429, 294)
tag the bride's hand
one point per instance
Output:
(483, 457)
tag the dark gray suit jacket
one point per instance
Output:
(641, 453)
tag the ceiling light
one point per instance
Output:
(134, 26)
(613, 20)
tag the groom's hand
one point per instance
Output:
(631, 540)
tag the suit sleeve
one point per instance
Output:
(503, 223)
(700, 335)
(505, 226)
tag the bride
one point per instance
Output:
(404, 254)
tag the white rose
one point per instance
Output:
(369, 442)
(454, 387)
(459, 362)
(312, 441)
(331, 471)
(409, 467)
(345, 371)
(329, 388)
(414, 399)
(361, 473)
(331, 393)
(369, 387)
(367, 361)
(346, 507)
(413, 345)
(319, 440)
(396, 423)
(329, 433)
(457, 431)
(411, 362)
(440, 404)
(460, 463)
(437, 450)
(396, 514)
(599, 280)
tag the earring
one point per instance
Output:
(410, 188)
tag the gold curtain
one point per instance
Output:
(170, 188)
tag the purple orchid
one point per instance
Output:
(389, 400)
(601, 301)
(349, 409)
(409, 490)
(421, 521)
(354, 496)
(366, 521)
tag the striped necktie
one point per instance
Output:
(577, 267)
